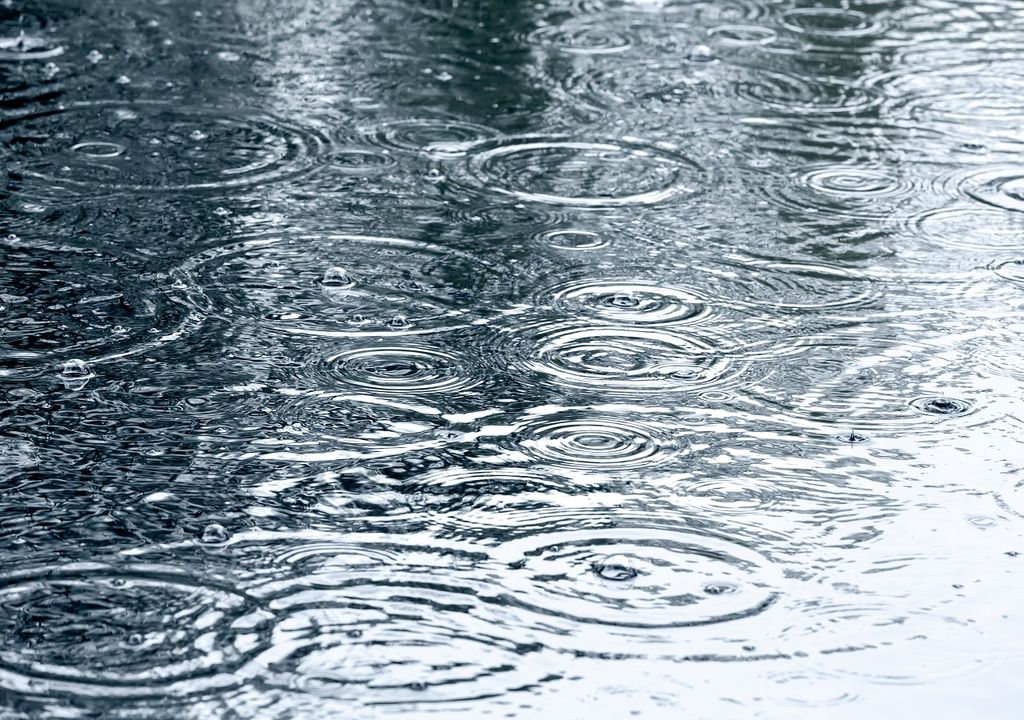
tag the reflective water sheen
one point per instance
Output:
(502, 358)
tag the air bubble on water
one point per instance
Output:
(701, 54)
(336, 278)
(398, 322)
(76, 369)
(222, 212)
(94, 56)
(123, 80)
(215, 533)
(198, 135)
(616, 568)
(76, 374)
(434, 176)
(12, 238)
(228, 56)
(50, 70)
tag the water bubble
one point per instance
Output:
(616, 568)
(215, 533)
(337, 278)
(701, 54)
(76, 374)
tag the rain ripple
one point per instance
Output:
(100, 630)
(568, 172)
(334, 285)
(156, 146)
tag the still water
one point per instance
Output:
(500, 358)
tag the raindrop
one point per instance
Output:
(852, 438)
(617, 568)
(336, 277)
(94, 56)
(215, 533)
(76, 374)
(701, 54)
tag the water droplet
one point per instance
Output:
(76, 374)
(617, 568)
(94, 56)
(123, 80)
(701, 54)
(215, 533)
(336, 277)
(228, 56)
(76, 369)
(198, 135)
(852, 438)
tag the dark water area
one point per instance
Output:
(466, 358)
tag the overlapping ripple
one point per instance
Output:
(61, 304)
(624, 359)
(335, 285)
(638, 578)
(629, 301)
(156, 146)
(91, 629)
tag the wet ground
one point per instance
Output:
(437, 358)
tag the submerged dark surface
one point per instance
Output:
(434, 358)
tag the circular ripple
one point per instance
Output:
(938, 405)
(845, 191)
(59, 304)
(972, 228)
(738, 34)
(800, 95)
(960, 96)
(376, 620)
(398, 287)
(440, 139)
(1001, 187)
(90, 629)
(673, 579)
(160, 146)
(732, 495)
(866, 387)
(625, 301)
(402, 371)
(791, 286)
(629, 360)
(23, 47)
(571, 239)
(1012, 270)
(581, 39)
(582, 174)
(829, 22)
(360, 161)
(597, 442)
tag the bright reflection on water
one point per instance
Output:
(480, 358)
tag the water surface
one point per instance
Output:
(435, 358)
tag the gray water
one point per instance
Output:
(483, 358)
